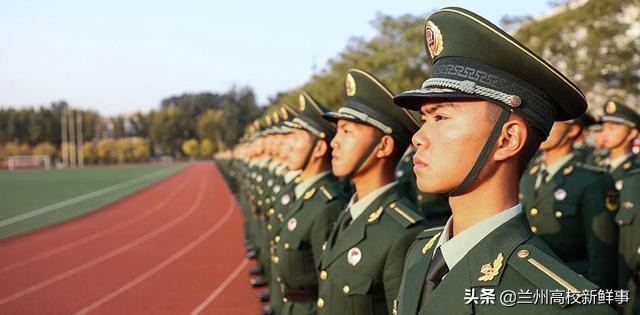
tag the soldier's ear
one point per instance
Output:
(321, 148)
(386, 147)
(513, 137)
(633, 134)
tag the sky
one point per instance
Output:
(119, 57)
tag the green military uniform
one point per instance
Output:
(361, 265)
(628, 221)
(573, 211)
(308, 220)
(517, 261)
(474, 59)
(433, 207)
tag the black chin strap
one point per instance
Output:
(367, 153)
(308, 158)
(484, 154)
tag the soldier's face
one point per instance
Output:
(349, 144)
(615, 135)
(298, 149)
(448, 142)
(557, 136)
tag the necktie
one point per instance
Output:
(437, 269)
(542, 179)
(342, 224)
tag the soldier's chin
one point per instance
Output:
(339, 170)
(431, 187)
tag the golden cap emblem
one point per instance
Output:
(285, 115)
(276, 118)
(302, 102)
(350, 84)
(434, 41)
(611, 107)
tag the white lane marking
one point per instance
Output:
(108, 255)
(158, 267)
(220, 288)
(64, 203)
(93, 236)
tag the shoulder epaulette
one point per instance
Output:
(430, 232)
(403, 213)
(592, 168)
(547, 272)
(329, 192)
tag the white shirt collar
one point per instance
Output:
(617, 162)
(290, 175)
(356, 208)
(555, 167)
(454, 249)
(304, 185)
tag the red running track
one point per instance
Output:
(175, 247)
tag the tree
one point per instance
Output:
(191, 147)
(206, 148)
(167, 129)
(210, 124)
(44, 148)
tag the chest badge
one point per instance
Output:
(292, 223)
(354, 255)
(560, 194)
(619, 185)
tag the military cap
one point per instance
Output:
(370, 102)
(585, 120)
(620, 113)
(472, 58)
(311, 118)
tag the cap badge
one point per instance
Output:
(433, 36)
(611, 107)
(350, 84)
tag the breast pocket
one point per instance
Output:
(355, 288)
(624, 217)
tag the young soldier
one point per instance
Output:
(487, 105)
(318, 201)
(362, 263)
(571, 206)
(627, 217)
(620, 127)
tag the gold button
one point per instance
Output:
(286, 245)
(323, 275)
(271, 211)
(523, 253)
(269, 227)
(284, 300)
(558, 214)
(278, 279)
(620, 222)
(275, 259)
(638, 250)
(320, 303)
(345, 289)
(533, 211)
(420, 197)
(534, 229)
(277, 238)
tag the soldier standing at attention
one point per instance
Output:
(571, 206)
(486, 107)
(361, 265)
(620, 127)
(628, 218)
(309, 219)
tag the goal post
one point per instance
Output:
(29, 161)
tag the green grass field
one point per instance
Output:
(32, 199)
